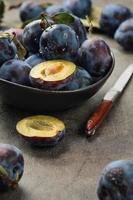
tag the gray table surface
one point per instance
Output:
(71, 169)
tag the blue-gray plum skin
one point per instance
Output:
(31, 36)
(7, 50)
(53, 9)
(34, 60)
(16, 71)
(112, 16)
(124, 35)
(59, 42)
(95, 56)
(116, 181)
(80, 80)
(80, 30)
(80, 8)
(29, 10)
(11, 166)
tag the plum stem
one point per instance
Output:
(43, 20)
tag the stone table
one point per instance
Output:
(71, 169)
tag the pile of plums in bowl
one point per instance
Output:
(61, 69)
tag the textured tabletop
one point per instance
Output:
(71, 169)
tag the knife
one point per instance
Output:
(109, 99)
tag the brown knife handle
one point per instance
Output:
(97, 117)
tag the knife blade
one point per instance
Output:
(109, 99)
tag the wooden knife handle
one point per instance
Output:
(97, 117)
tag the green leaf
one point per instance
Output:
(3, 171)
(63, 18)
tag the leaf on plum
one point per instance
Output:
(63, 18)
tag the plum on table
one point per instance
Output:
(41, 130)
(116, 181)
(124, 34)
(11, 166)
(112, 16)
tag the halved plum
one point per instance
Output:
(53, 74)
(41, 130)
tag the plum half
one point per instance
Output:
(52, 75)
(41, 130)
(11, 166)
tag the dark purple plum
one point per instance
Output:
(16, 71)
(34, 59)
(81, 79)
(80, 30)
(11, 166)
(95, 56)
(31, 35)
(124, 34)
(80, 8)
(112, 16)
(29, 10)
(116, 181)
(53, 9)
(7, 49)
(59, 42)
(72, 21)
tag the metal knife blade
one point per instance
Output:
(120, 84)
(107, 102)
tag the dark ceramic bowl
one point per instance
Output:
(33, 99)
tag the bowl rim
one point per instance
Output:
(65, 91)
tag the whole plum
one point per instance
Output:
(124, 34)
(72, 21)
(7, 49)
(116, 181)
(95, 56)
(34, 60)
(112, 16)
(53, 9)
(16, 71)
(11, 166)
(80, 8)
(31, 35)
(29, 10)
(59, 42)
(80, 29)
(81, 79)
